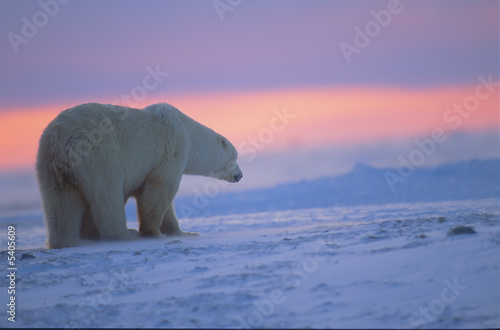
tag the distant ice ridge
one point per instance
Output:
(364, 185)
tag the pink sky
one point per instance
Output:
(231, 74)
(317, 116)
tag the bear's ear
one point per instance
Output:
(223, 141)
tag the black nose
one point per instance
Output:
(237, 177)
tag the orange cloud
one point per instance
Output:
(19, 135)
(339, 115)
(322, 116)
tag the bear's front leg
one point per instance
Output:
(149, 221)
(152, 204)
(170, 224)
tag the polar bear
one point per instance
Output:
(93, 157)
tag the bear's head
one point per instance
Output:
(210, 154)
(226, 159)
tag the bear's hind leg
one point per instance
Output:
(170, 224)
(88, 229)
(63, 216)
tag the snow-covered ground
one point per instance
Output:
(334, 252)
(382, 265)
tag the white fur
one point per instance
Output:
(93, 157)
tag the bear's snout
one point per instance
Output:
(232, 173)
(237, 177)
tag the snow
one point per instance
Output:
(364, 185)
(379, 263)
